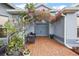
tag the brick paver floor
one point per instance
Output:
(44, 46)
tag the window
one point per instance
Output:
(77, 26)
(3, 19)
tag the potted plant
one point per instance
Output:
(26, 52)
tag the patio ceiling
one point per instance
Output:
(16, 11)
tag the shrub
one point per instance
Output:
(15, 44)
(10, 27)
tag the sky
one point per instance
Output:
(51, 5)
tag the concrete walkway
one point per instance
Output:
(44, 46)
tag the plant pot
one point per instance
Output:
(51, 36)
(2, 50)
(26, 52)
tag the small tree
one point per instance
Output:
(27, 17)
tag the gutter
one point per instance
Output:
(12, 5)
(15, 11)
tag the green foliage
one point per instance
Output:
(29, 6)
(1, 43)
(10, 27)
(22, 14)
(25, 19)
(15, 43)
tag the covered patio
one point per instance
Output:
(45, 23)
(44, 46)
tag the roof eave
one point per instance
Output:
(70, 10)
